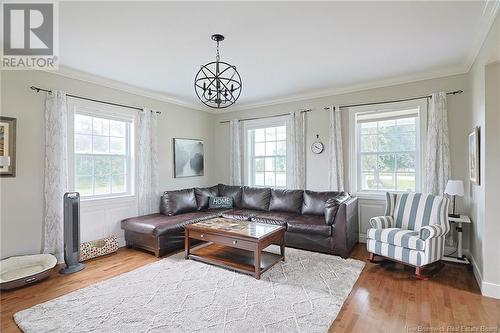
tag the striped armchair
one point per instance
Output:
(412, 231)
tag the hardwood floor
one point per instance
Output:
(388, 298)
(56, 285)
(384, 299)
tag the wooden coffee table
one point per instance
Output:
(237, 245)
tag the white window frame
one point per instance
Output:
(248, 153)
(421, 106)
(95, 109)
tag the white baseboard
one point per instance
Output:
(476, 271)
(490, 289)
(487, 288)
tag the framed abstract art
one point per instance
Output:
(474, 157)
(7, 147)
(188, 158)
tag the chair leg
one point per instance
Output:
(419, 275)
(372, 259)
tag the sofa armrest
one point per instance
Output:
(332, 206)
(331, 210)
(382, 222)
(346, 227)
(432, 231)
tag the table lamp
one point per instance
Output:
(454, 188)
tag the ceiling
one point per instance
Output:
(282, 50)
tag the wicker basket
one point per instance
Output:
(97, 248)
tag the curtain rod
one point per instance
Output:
(395, 101)
(352, 105)
(265, 117)
(37, 89)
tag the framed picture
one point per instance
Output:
(474, 158)
(7, 147)
(188, 158)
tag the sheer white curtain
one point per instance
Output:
(147, 166)
(437, 159)
(56, 172)
(296, 153)
(235, 177)
(336, 159)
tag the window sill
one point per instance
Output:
(88, 202)
(370, 196)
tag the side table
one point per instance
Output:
(460, 258)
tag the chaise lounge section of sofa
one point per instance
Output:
(317, 221)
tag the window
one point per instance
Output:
(387, 148)
(266, 158)
(102, 154)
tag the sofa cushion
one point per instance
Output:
(286, 201)
(232, 192)
(202, 195)
(160, 224)
(309, 224)
(279, 218)
(177, 202)
(240, 214)
(255, 198)
(314, 202)
(395, 236)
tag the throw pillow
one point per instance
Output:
(220, 203)
(202, 195)
(178, 202)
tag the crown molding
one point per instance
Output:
(457, 70)
(490, 11)
(117, 85)
(75, 74)
(488, 17)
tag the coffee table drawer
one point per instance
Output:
(223, 240)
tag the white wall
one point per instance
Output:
(21, 199)
(484, 198)
(20, 102)
(317, 123)
(492, 180)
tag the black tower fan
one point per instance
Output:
(72, 233)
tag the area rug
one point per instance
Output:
(302, 294)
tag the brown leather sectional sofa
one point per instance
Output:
(316, 221)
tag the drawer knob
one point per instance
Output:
(234, 242)
(202, 235)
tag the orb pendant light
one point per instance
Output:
(218, 84)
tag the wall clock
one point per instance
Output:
(317, 147)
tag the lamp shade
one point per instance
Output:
(455, 187)
(4, 161)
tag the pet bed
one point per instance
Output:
(19, 271)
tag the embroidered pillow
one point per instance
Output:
(220, 203)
